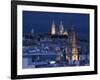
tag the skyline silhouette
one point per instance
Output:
(41, 22)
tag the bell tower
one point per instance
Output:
(73, 43)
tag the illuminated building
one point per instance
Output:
(73, 44)
(65, 33)
(53, 29)
(61, 28)
(61, 31)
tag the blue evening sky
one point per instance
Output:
(42, 21)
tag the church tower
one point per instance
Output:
(61, 28)
(73, 43)
(53, 29)
(65, 33)
(32, 31)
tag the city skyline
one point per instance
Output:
(53, 39)
(41, 22)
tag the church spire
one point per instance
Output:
(53, 28)
(74, 45)
(61, 28)
(32, 31)
(65, 33)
